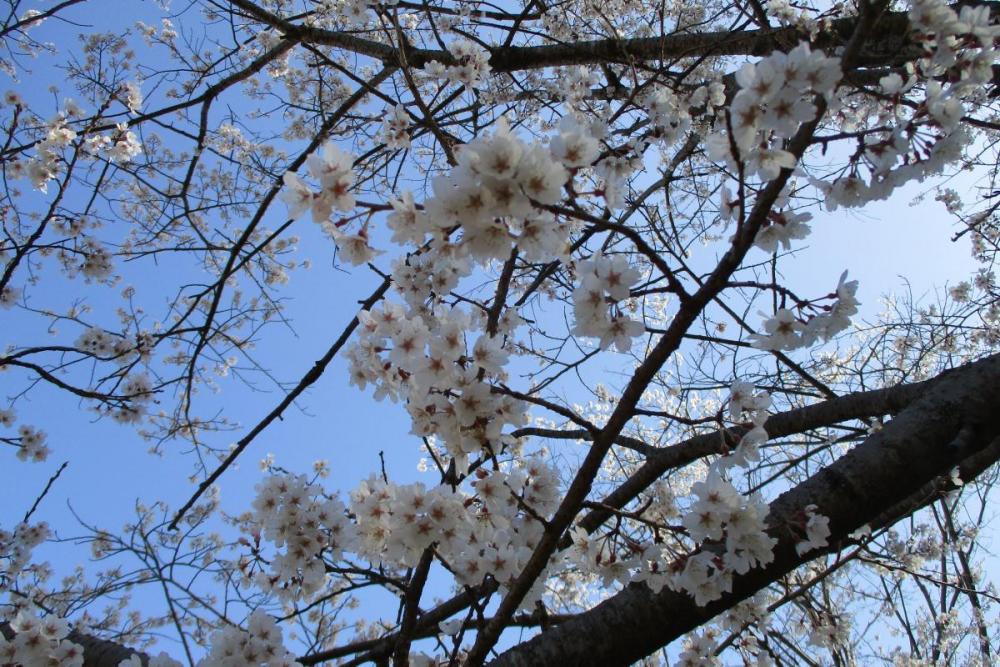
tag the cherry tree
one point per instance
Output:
(638, 441)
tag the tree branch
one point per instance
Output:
(886, 472)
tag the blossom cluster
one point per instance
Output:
(729, 537)
(742, 400)
(90, 258)
(490, 531)
(40, 641)
(727, 529)
(444, 382)
(121, 145)
(290, 513)
(910, 141)
(669, 112)
(493, 194)
(99, 343)
(259, 645)
(16, 549)
(130, 94)
(964, 40)
(333, 170)
(355, 13)
(604, 282)
(732, 532)
(167, 32)
(135, 391)
(32, 444)
(787, 13)
(782, 228)
(817, 529)
(395, 128)
(30, 441)
(9, 296)
(785, 331)
(776, 96)
(699, 651)
(46, 163)
(472, 64)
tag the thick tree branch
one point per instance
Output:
(858, 405)
(888, 44)
(952, 423)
